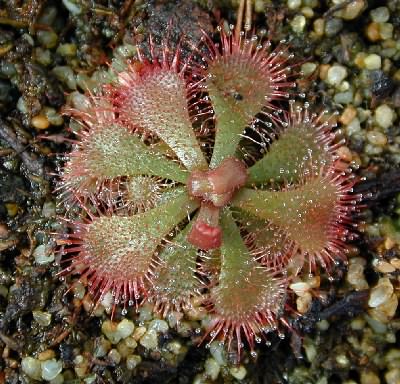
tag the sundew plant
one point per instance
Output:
(203, 178)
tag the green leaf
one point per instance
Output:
(306, 213)
(122, 247)
(298, 152)
(176, 281)
(268, 242)
(244, 288)
(238, 86)
(156, 101)
(229, 125)
(241, 82)
(111, 151)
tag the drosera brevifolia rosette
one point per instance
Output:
(205, 178)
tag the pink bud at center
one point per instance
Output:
(206, 233)
(215, 188)
(218, 185)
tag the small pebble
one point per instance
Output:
(344, 97)
(43, 254)
(79, 291)
(132, 361)
(294, 4)
(239, 373)
(79, 101)
(345, 154)
(319, 26)
(389, 244)
(126, 50)
(348, 115)
(149, 340)
(40, 122)
(123, 348)
(67, 49)
(333, 26)
(139, 332)
(385, 311)
(81, 366)
(48, 39)
(47, 354)
(393, 376)
(200, 379)
(372, 62)
(218, 352)
(385, 31)
(101, 347)
(358, 324)
(73, 6)
(50, 369)
(53, 116)
(66, 75)
(323, 71)
(359, 59)
(384, 116)
(184, 328)
(130, 342)
(307, 12)
(352, 10)
(4, 231)
(313, 281)
(92, 379)
(43, 56)
(109, 328)
(3, 291)
(49, 209)
(372, 150)
(380, 14)
(355, 274)
(377, 138)
(42, 318)
(159, 325)
(310, 350)
(125, 328)
(298, 23)
(342, 360)
(12, 209)
(32, 367)
(145, 313)
(308, 68)
(369, 377)
(395, 262)
(344, 86)
(211, 368)
(381, 84)
(107, 302)
(336, 74)
(21, 105)
(383, 266)
(392, 357)
(381, 292)
(114, 356)
(372, 32)
(300, 288)
(175, 347)
(323, 325)
(174, 318)
(59, 379)
(304, 302)
(7, 69)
